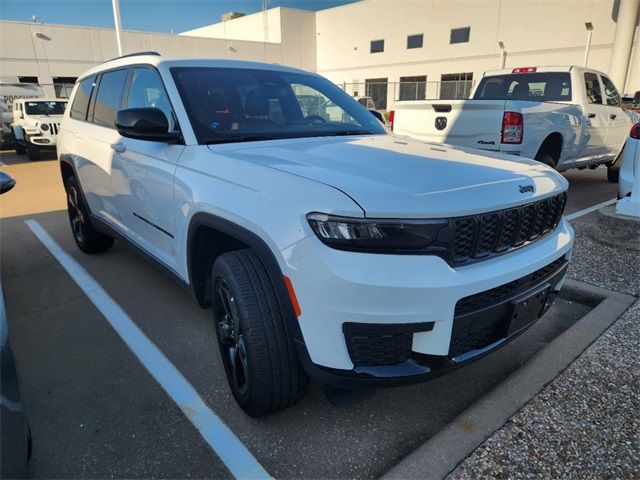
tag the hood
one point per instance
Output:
(398, 177)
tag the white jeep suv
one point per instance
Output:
(35, 126)
(324, 245)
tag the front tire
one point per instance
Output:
(258, 353)
(33, 152)
(87, 238)
(20, 149)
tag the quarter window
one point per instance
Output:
(415, 41)
(592, 87)
(611, 95)
(81, 100)
(147, 90)
(109, 97)
(377, 46)
(460, 35)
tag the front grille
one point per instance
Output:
(468, 334)
(54, 128)
(478, 236)
(374, 350)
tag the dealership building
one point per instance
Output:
(386, 49)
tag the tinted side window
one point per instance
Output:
(592, 87)
(81, 100)
(109, 97)
(147, 90)
(611, 94)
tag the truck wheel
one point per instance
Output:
(258, 353)
(546, 159)
(20, 149)
(88, 239)
(33, 152)
(613, 172)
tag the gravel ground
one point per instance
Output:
(586, 423)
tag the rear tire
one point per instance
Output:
(87, 238)
(20, 149)
(613, 172)
(33, 152)
(258, 353)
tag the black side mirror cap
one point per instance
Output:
(148, 123)
(378, 115)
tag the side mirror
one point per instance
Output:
(6, 182)
(377, 114)
(146, 123)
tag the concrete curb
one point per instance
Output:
(443, 452)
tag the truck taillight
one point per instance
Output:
(512, 127)
(635, 131)
(392, 115)
(524, 70)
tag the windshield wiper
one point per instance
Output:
(343, 133)
(239, 138)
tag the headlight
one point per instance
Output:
(44, 127)
(375, 235)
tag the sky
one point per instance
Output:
(145, 15)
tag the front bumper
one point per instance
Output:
(347, 296)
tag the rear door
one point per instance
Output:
(143, 173)
(619, 121)
(94, 139)
(467, 123)
(597, 118)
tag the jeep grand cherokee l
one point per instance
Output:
(323, 245)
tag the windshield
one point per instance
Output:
(44, 108)
(233, 104)
(540, 87)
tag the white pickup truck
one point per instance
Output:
(566, 117)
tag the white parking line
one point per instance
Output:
(589, 210)
(240, 462)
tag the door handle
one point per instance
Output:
(591, 115)
(612, 116)
(118, 147)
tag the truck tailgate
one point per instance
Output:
(467, 123)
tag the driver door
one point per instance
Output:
(143, 173)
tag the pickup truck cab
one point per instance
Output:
(566, 117)
(36, 123)
(323, 245)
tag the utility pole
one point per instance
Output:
(116, 18)
(587, 48)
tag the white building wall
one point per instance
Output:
(544, 32)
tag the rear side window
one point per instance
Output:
(540, 87)
(592, 87)
(81, 100)
(611, 95)
(109, 97)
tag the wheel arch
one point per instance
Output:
(209, 236)
(552, 145)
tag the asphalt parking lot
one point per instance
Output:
(96, 412)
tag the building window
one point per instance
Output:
(460, 35)
(63, 86)
(376, 88)
(28, 79)
(413, 88)
(377, 46)
(415, 41)
(455, 86)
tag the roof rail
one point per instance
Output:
(133, 55)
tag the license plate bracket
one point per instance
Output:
(528, 308)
